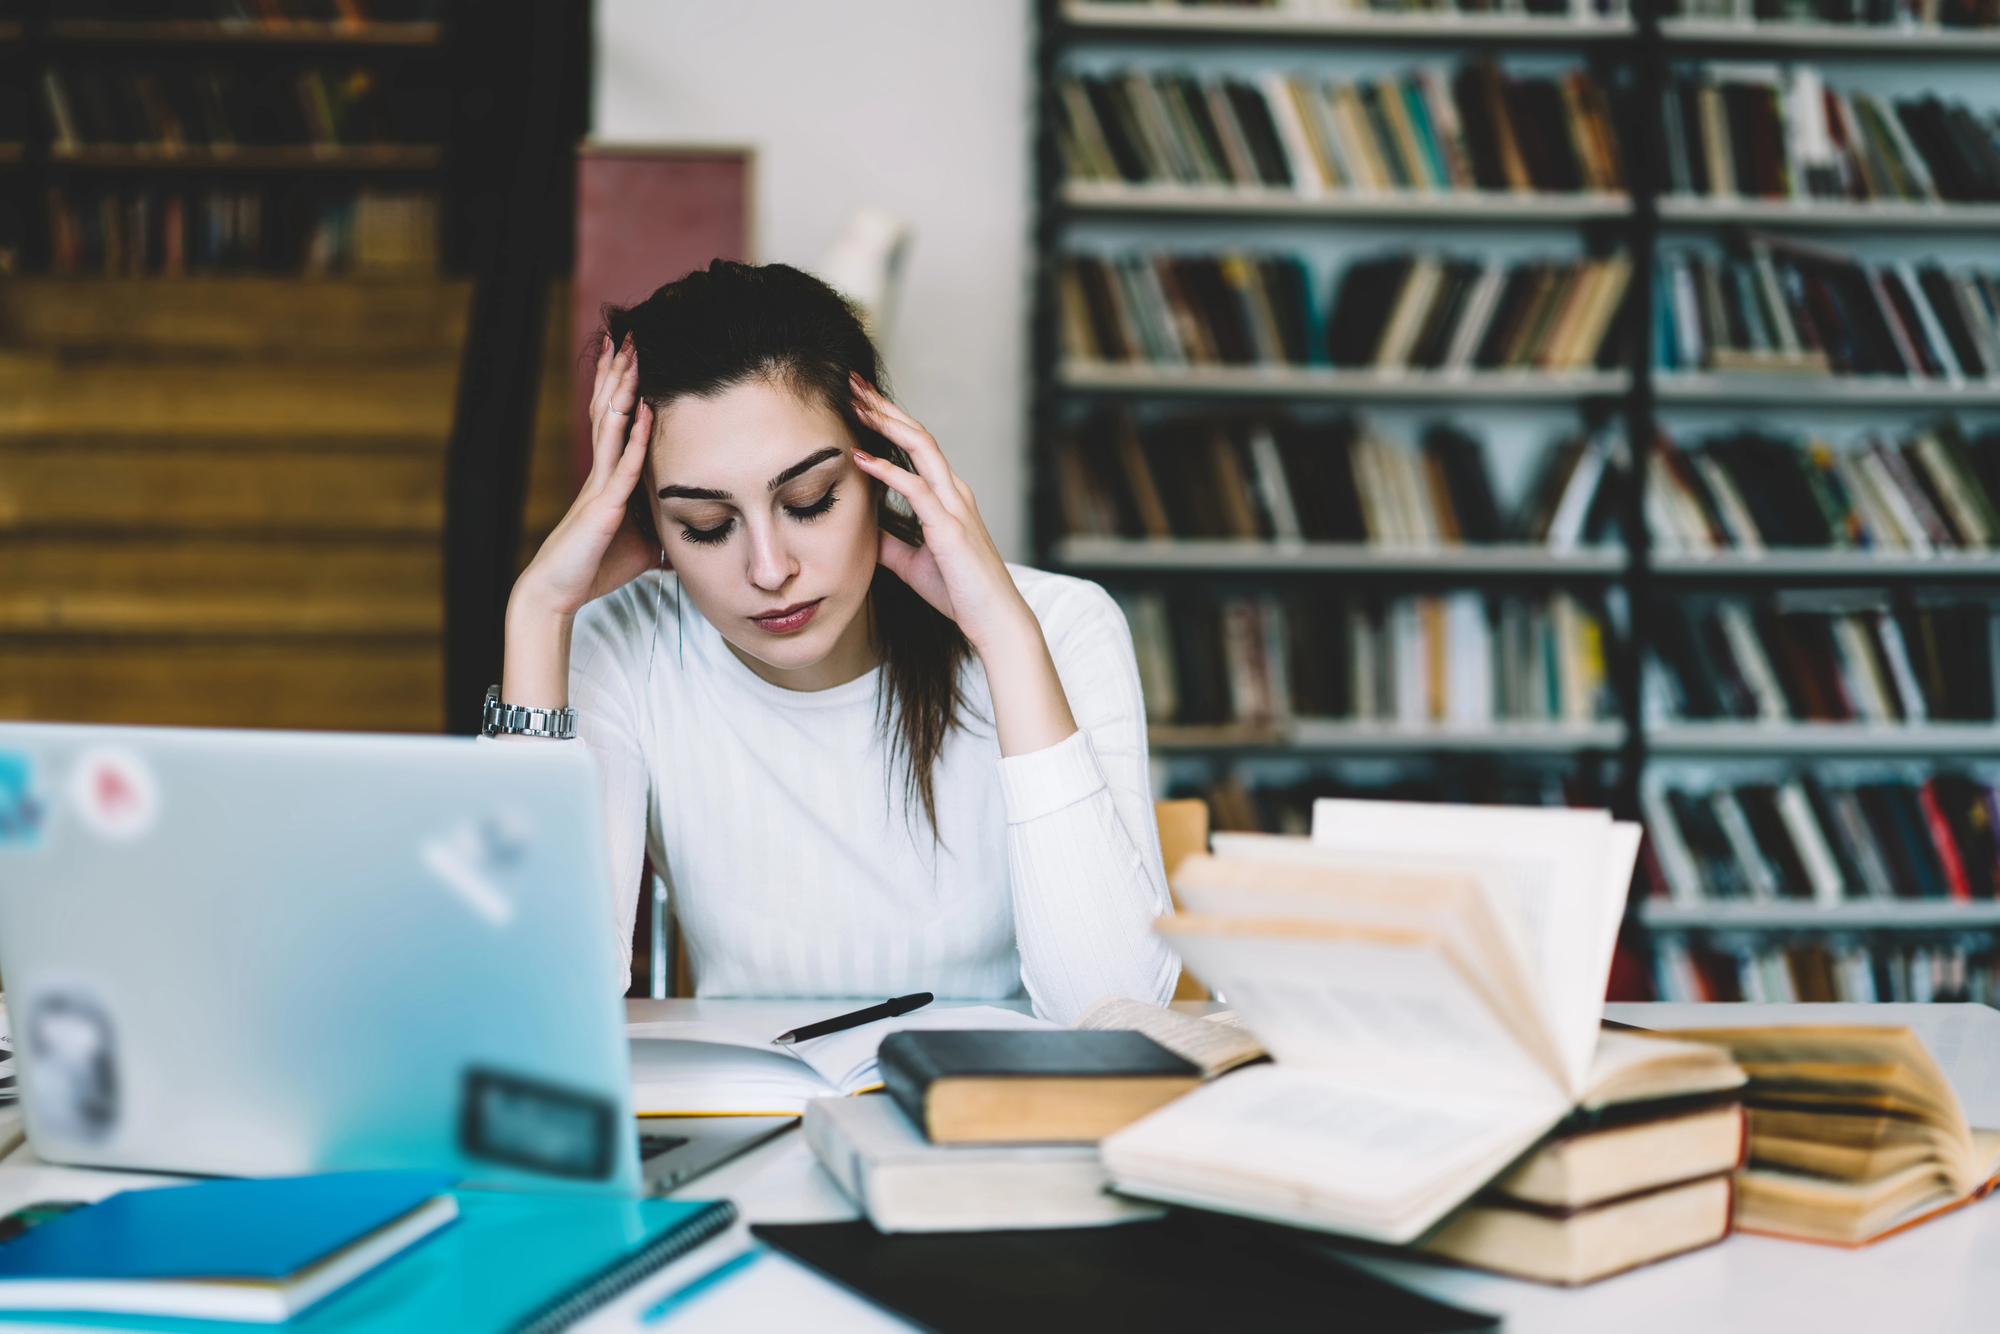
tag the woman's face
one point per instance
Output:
(771, 528)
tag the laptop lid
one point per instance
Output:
(266, 953)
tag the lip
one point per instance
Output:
(785, 620)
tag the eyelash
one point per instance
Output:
(708, 537)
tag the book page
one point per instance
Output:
(1215, 1047)
(1562, 874)
(1380, 1007)
(1318, 1149)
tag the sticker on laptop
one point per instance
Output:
(23, 810)
(72, 1060)
(114, 793)
(542, 1127)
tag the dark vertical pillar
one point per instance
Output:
(523, 70)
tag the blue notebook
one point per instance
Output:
(517, 1262)
(235, 1250)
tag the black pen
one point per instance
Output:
(888, 1009)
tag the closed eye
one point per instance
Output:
(807, 513)
(708, 537)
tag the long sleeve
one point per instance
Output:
(608, 721)
(1083, 848)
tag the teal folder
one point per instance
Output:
(511, 1261)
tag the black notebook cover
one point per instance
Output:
(1186, 1271)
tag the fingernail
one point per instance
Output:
(862, 456)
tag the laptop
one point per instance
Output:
(264, 953)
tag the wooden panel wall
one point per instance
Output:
(220, 499)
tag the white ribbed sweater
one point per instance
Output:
(795, 865)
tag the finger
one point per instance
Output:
(608, 362)
(930, 511)
(612, 424)
(905, 430)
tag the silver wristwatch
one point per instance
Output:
(518, 720)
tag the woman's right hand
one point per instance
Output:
(595, 550)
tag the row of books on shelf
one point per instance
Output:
(1825, 837)
(1896, 15)
(263, 13)
(1460, 660)
(1779, 305)
(1892, 15)
(1238, 804)
(1418, 130)
(1734, 968)
(1340, 480)
(1765, 131)
(1391, 314)
(171, 109)
(1933, 490)
(170, 233)
(1826, 656)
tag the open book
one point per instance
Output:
(1429, 980)
(1858, 1127)
(703, 1067)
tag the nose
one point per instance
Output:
(771, 563)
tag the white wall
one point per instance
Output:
(920, 106)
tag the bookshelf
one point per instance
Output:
(1635, 581)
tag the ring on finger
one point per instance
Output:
(618, 412)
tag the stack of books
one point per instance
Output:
(1460, 661)
(1777, 304)
(1819, 839)
(1765, 131)
(1419, 131)
(1738, 967)
(1397, 313)
(1273, 478)
(1855, 1132)
(1934, 490)
(982, 1130)
(1427, 1040)
(1835, 656)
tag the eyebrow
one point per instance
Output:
(804, 465)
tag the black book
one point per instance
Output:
(1845, 854)
(1943, 301)
(1519, 293)
(1434, 340)
(1760, 810)
(1482, 138)
(1010, 1086)
(1199, 669)
(1541, 127)
(1186, 1271)
(1316, 645)
(1464, 465)
(1097, 443)
(1321, 479)
(1898, 823)
(1903, 308)
(1958, 641)
(1362, 306)
(1096, 279)
(1285, 288)
(1672, 642)
(1686, 97)
(1737, 113)
(1962, 802)
(1177, 452)
(1267, 151)
(1976, 148)
(1771, 476)
(1106, 103)
(1923, 122)
(1215, 305)
(1702, 832)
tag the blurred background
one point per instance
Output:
(1541, 401)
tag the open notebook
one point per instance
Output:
(1429, 980)
(706, 1068)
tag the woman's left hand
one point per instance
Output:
(960, 571)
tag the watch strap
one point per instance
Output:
(501, 719)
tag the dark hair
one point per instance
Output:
(730, 324)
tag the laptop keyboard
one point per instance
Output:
(652, 1146)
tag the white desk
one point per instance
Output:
(1941, 1278)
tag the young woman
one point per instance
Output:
(869, 756)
